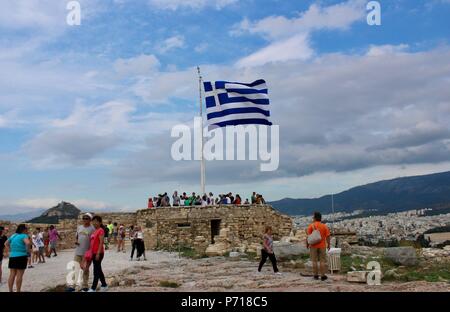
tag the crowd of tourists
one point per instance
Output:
(183, 199)
(26, 249)
(93, 238)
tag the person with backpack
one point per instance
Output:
(107, 235)
(318, 241)
(121, 239)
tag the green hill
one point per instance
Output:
(394, 195)
(61, 211)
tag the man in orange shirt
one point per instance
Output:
(318, 250)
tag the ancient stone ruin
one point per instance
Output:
(213, 230)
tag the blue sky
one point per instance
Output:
(86, 111)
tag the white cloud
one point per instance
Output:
(32, 13)
(80, 138)
(335, 17)
(380, 50)
(190, 4)
(139, 65)
(160, 87)
(289, 37)
(47, 16)
(293, 48)
(84, 137)
(202, 47)
(171, 43)
(3, 122)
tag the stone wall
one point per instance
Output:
(66, 228)
(232, 227)
(194, 226)
(125, 218)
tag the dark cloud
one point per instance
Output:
(68, 147)
(336, 113)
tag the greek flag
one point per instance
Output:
(236, 103)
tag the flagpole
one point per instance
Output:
(202, 160)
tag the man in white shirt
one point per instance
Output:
(83, 244)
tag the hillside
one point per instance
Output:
(394, 195)
(61, 211)
(21, 217)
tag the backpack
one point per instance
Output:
(315, 237)
(106, 230)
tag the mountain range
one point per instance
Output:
(20, 217)
(400, 194)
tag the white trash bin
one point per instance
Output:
(334, 259)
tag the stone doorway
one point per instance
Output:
(215, 229)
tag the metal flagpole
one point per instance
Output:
(202, 160)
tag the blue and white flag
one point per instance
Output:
(235, 103)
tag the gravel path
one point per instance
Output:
(53, 272)
(210, 274)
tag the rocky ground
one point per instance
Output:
(224, 274)
(164, 271)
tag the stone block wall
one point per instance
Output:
(125, 218)
(173, 227)
(240, 227)
(66, 228)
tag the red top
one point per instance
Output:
(150, 203)
(237, 201)
(95, 241)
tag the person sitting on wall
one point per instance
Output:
(246, 202)
(262, 200)
(238, 200)
(211, 199)
(204, 202)
(187, 201)
(253, 198)
(219, 199)
(224, 200)
(176, 199)
(231, 197)
(150, 203)
(165, 200)
(192, 199)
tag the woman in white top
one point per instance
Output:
(35, 248)
(140, 246)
